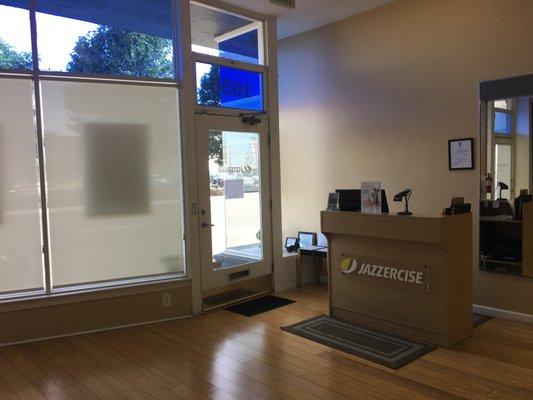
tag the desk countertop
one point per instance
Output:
(415, 228)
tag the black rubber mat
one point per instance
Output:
(259, 305)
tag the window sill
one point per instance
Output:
(74, 295)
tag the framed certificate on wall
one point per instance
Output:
(461, 154)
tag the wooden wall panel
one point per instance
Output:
(69, 318)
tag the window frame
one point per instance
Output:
(207, 59)
(174, 39)
(255, 18)
(509, 111)
(37, 76)
(503, 139)
(37, 73)
(271, 112)
(226, 62)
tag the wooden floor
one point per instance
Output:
(225, 356)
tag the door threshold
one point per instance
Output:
(235, 301)
(236, 292)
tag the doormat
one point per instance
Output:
(227, 297)
(480, 319)
(259, 305)
(383, 348)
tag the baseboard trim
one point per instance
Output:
(292, 285)
(112, 328)
(284, 286)
(503, 314)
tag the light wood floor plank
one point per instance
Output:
(33, 374)
(224, 356)
(307, 363)
(57, 374)
(79, 370)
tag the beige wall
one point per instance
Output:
(378, 95)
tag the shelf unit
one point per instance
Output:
(508, 237)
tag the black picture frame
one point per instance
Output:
(471, 166)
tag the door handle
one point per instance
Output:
(206, 225)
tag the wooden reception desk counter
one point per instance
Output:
(411, 276)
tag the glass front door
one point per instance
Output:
(235, 197)
(234, 202)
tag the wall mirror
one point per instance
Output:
(506, 203)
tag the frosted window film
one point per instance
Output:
(114, 181)
(116, 169)
(20, 232)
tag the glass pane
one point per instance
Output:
(502, 162)
(106, 37)
(114, 181)
(221, 34)
(15, 39)
(235, 180)
(503, 104)
(523, 145)
(502, 123)
(228, 87)
(21, 263)
(16, 3)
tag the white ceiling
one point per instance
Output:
(309, 14)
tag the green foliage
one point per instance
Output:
(215, 148)
(114, 51)
(11, 59)
(209, 95)
(209, 91)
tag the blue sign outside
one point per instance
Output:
(239, 88)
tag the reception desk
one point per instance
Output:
(411, 276)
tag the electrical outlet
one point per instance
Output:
(166, 298)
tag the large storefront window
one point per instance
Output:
(114, 38)
(106, 206)
(114, 181)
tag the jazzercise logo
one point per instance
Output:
(349, 265)
(239, 168)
